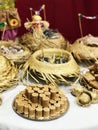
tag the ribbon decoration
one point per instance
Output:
(86, 17)
(41, 8)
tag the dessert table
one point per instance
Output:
(76, 118)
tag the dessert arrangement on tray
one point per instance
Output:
(41, 102)
(48, 59)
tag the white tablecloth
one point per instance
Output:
(76, 118)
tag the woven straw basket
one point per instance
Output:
(36, 40)
(8, 74)
(54, 73)
(84, 50)
(15, 57)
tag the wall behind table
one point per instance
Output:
(62, 15)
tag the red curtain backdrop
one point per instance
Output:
(63, 15)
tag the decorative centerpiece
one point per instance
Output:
(52, 65)
(41, 102)
(8, 74)
(39, 34)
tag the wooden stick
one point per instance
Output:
(43, 7)
(80, 26)
(31, 12)
(2, 37)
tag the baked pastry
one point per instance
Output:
(84, 99)
(76, 90)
